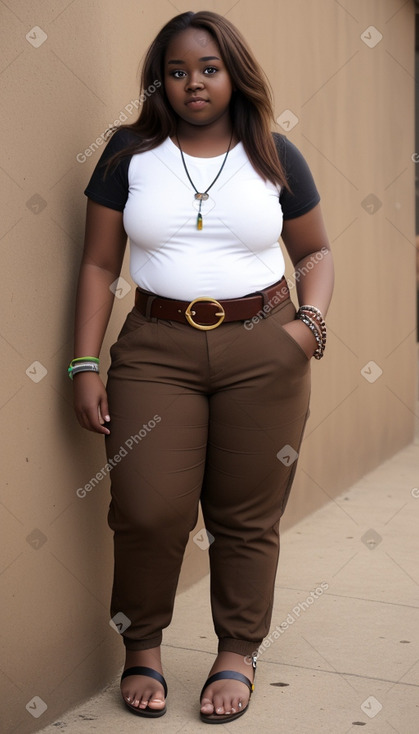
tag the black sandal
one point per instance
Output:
(141, 670)
(224, 675)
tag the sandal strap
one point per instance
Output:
(142, 670)
(228, 675)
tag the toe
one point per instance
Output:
(207, 705)
(235, 704)
(152, 698)
(143, 698)
(156, 703)
(222, 703)
(219, 704)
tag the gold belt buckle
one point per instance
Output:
(204, 327)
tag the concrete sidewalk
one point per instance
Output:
(344, 647)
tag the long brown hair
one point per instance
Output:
(251, 107)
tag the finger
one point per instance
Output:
(92, 421)
(104, 416)
(101, 420)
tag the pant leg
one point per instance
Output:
(159, 428)
(259, 410)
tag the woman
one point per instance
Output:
(209, 383)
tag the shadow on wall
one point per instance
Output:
(417, 287)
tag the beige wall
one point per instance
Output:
(354, 106)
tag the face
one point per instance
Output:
(197, 83)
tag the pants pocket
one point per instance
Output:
(285, 314)
(133, 323)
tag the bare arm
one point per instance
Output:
(308, 247)
(104, 247)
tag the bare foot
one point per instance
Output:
(227, 696)
(140, 690)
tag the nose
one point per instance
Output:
(194, 83)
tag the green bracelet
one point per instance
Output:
(85, 359)
(82, 364)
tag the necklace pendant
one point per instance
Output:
(199, 195)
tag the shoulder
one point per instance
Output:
(288, 152)
(280, 141)
(302, 194)
(120, 138)
(109, 184)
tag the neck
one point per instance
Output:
(205, 140)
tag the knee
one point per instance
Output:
(151, 523)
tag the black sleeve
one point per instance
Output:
(303, 195)
(111, 190)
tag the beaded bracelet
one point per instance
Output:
(83, 364)
(313, 309)
(318, 316)
(317, 319)
(317, 326)
(318, 354)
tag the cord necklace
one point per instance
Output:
(202, 195)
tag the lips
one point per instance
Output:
(196, 102)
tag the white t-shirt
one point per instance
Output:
(236, 252)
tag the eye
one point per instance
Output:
(210, 70)
(178, 74)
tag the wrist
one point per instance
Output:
(76, 375)
(313, 319)
(83, 364)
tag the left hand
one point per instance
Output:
(303, 336)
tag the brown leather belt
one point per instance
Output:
(207, 313)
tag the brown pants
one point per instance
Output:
(212, 416)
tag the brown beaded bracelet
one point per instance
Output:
(316, 324)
